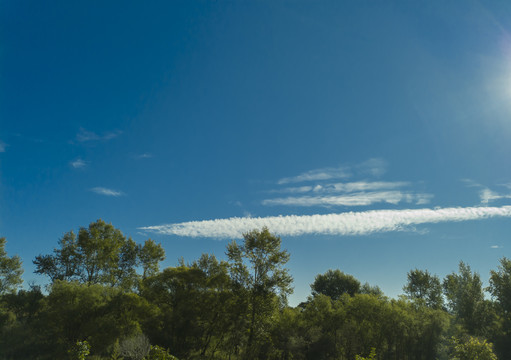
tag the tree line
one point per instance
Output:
(107, 298)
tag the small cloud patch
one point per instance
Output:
(107, 192)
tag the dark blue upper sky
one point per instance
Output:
(171, 112)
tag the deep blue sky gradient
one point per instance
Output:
(196, 109)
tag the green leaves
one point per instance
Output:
(422, 286)
(335, 283)
(10, 270)
(472, 348)
(101, 254)
(260, 278)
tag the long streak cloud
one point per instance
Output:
(349, 223)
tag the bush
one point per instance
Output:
(159, 353)
(472, 348)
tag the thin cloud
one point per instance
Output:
(344, 187)
(107, 192)
(355, 199)
(293, 190)
(374, 167)
(350, 223)
(3, 146)
(85, 135)
(78, 163)
(361, 186)
(496, 247)
(488, 195)
(144, 156)
(318, 174)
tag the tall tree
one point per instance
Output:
(64, 264)
(100, 254)
(257, 269)
(151, 254)
(424, 287)
(335, 283)
(465, 298)
(500, 289)
(10, 270)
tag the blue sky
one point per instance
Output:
(373, 137)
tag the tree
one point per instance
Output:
(464, 293)
(472, 349)
(195, 307)
(151, 254)
(335, 283)
(424, 287)
(100, 250)
(100, 254)
(500, 289)
(257, 270)
(64, 264)
(500, 286)
(10, 270)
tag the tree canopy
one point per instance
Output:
(107, 298)
(10, 270)
(100, 254)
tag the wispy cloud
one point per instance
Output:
(344, 187)
(318, 174)
(78, 163)
(323, 192)
(374, 167)
(355, 199)
(107, 192)
(350, 223)
(361, 186)
(144, 156)
(293, 190)
(496, 247)
(3, 146)
(488, 195)
(85, 135)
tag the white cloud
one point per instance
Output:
(78, 163)
(144, 156)
(294, 190)
(364, 186)
(350, 223)
(374, 167)
(496, 247)
(488, 195)
(354, 199)
(344, 187)
(318, 174)
(3, 146)
(85, 135)
(107, 192)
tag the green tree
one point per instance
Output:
(500, 289)
(151, 254)
(99, 313)
(465, 298)
(80, 350)
(195, 307)
(335, 283)
(472, 348)
(500, 286)
(258, 272)
(371, 356)
(10, 270)
(64, 264)
(424, 287)
(100, 254)
(100, 249)
(159, 353)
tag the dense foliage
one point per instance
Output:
(107, 299)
